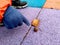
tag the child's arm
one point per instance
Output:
(13, 18)
(3, 6)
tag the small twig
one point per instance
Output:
(39, 29)
(39, 13)
(25, 36)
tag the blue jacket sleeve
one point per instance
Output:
(13, 18)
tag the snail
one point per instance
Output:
(35, 24)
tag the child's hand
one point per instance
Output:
(13, 18)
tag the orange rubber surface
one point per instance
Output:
(52, 4)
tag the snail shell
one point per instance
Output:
(35, 22)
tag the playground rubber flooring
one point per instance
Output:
(47, 34)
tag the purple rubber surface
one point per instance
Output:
(50, 29)
(49, 25)
(15, 36)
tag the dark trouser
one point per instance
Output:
(15, 2)
(19, 3)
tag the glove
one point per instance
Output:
(13, 18)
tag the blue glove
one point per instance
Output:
(13, 18)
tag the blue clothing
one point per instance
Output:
(13, 18)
